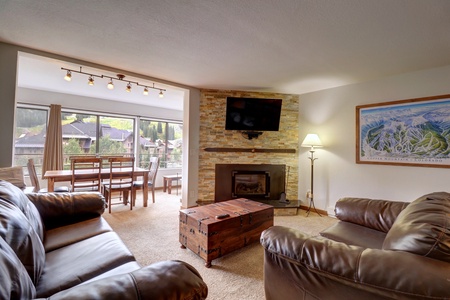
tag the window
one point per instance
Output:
(87, 133)
(31, 125)
(90, 134)
(162, 139)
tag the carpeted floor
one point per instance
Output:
(151, 234)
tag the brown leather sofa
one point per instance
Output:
(58, 246)
(378, 250)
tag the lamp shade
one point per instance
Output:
(311, 140)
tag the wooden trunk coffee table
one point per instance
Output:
(214, 230)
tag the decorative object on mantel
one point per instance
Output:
(110, 86)
(253, 150)
(311, 140)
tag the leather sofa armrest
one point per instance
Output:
(162, 280)
(380, 272)
(375, 214)
(59, 209)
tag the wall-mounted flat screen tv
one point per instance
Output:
(255, 114)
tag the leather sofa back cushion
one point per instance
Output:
(423, 228)
(376, 214)
(18, 233)
(18, 198)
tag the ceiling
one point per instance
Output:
(287, 46)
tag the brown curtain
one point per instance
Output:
(53, 149)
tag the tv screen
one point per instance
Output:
(256, 114)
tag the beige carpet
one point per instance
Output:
(151, 234)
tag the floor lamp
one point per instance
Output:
(312, 140)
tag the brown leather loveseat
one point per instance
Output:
(378, 250)
(58, 246)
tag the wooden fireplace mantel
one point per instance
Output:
(253, 150)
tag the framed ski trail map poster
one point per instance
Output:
(414, 132)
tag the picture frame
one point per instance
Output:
(412, 132)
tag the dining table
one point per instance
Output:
(53, 176)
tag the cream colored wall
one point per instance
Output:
(331, 114)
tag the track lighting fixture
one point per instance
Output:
(110, 85)
(68, 76)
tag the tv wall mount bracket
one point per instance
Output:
(251, 134)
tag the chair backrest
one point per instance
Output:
(33, 175)
(121, 170)
(154, 165)
(86, 173)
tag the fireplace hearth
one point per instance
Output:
(251, 181)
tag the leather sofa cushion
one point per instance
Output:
(70, 234)
(59, 209)
(14, 281)
(18, 233)
(17, 197)
(376, 214)
(353, 234)
(423, 228)
(71, 265)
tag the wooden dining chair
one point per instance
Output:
(86, 174)
(139, 184)
(121, 176)
(35, 180)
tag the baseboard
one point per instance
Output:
(320, 211)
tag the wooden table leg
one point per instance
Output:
(51, 184)
(164, 184)
(169, 186)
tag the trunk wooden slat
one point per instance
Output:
(210, 238)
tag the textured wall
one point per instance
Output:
(214, 135)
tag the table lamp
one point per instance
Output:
(311, 140)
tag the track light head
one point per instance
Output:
(128, 89)
(68, 76)
(91, 81)
(145, 91)
(110, 85)
(161, 94)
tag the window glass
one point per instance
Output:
(79, 135)
(116, 136)
(161, 139)
(31, 125)
(175, 143)
(86, 133)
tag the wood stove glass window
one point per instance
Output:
(250, 184)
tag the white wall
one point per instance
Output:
(331, 114)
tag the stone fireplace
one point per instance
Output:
(251, 181)
(218, 146)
